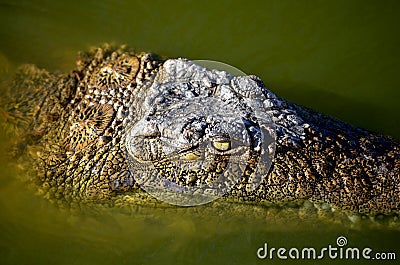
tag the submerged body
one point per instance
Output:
(73, 129)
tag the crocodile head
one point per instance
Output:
(199, 135)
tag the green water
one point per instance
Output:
(339, 57)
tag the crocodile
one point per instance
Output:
(122, 116)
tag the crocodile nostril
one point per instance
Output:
(151, 130)
(145, 128)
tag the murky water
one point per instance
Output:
(339, 57)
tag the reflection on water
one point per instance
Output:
(312, 52)
(35, 232)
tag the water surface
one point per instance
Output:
(339, 57)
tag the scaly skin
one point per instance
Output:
(77, 123)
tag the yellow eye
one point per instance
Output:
(191, 156)
(222, 145)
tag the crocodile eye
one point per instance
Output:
(191, 156)
(222, 145)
